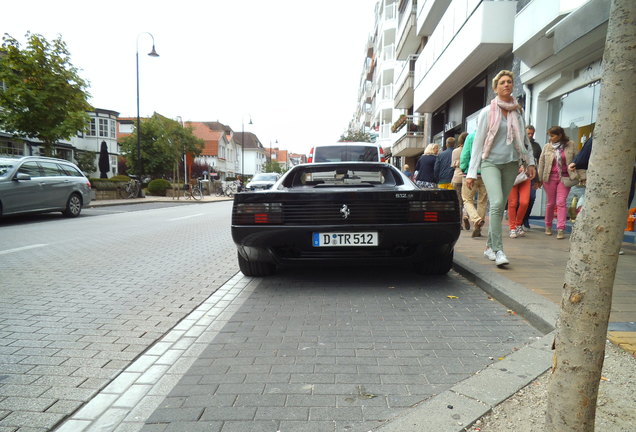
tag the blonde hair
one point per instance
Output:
(501, 73)
(406, 166)
(432, 148)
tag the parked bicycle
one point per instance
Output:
(193, 191)
(227, 189)
(130, 189)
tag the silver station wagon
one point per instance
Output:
(33, 184)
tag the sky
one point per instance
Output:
(291, 66)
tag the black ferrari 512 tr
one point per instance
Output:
(345, 212)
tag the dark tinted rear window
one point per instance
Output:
(344, 153)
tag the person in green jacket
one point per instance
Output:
(476, 214)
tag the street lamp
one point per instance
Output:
(152, 53)
(243, 146)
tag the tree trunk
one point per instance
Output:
(589, 277)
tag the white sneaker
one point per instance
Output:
(501, 259)
(513, 233)
(490, 254)
(521, 232)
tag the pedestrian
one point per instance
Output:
(425, 167)
(477, 215)
(554, 176)
(499, 148)
(407, 171)
(518, 201)
(443, 169)
(458, 177)
(534, 185)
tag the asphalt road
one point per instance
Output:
(310, 348)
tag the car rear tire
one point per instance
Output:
(73, 206)
(437, 265)
(255, 268)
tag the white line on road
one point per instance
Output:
(8, 251)
(186, 217)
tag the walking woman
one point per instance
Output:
(553, 166)
(500, 147)
(425, 168)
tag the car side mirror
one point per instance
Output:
(22, 176)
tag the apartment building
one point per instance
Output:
(448, 51)
(375, 110)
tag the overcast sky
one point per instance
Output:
(292, 65)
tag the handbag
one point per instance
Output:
(521, 177)
(572, 179)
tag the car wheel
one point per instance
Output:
(437, 265)
(255, 268)
(73, 206)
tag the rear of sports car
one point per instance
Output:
(388, 223)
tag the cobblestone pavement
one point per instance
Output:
(80, 299)
(310, 350)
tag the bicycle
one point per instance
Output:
(193, 191)
(130, 189)
(227, 189)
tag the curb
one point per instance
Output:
(108, 203)
(466, 402)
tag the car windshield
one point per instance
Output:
(348, 176)
(338, 153)
(5, 166)
(265, 177)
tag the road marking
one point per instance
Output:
(186, 217)
(8, 251)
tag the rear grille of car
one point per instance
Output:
(329, 213)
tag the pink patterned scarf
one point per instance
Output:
(494, 117)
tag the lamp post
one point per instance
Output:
(243, 146)
(152, 53)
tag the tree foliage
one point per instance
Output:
(44, 97)
(163, 143)
(356, 136)
(272, 166)
(85, 161)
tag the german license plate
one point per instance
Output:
(343, 239)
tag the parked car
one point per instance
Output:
(346, 212)
(346, 152)
(262, 181)
(33, 184)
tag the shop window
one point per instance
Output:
(575, 112)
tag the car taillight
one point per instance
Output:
(382, 155)
(258, 213)
(88, 183)
(310, 158)
(430, 211)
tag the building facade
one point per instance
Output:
(448, 51)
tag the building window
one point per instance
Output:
(575, 112)
(103, 127)
(91, 130)
(113, 130)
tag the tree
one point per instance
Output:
(356, 136)
(44, 96)
(85, 161)
(589, 277)
(272, 166)
(163, 143)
